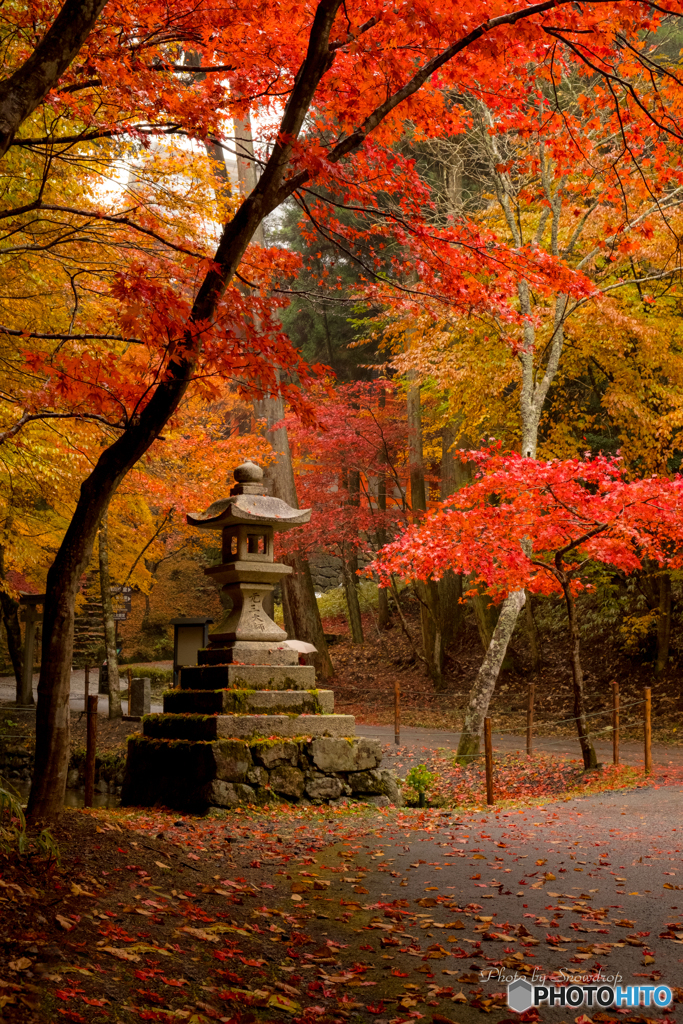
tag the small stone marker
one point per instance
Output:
(140, 696)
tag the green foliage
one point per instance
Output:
(638, 634)
(13, 833)
(160, 677)
(333, 602)
(420, 779)
(323, 329)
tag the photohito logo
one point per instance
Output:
(522, 995)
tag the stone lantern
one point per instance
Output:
(248, 725)
(248, 520)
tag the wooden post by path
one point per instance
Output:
(648, 729)
(530, 721)
(615, 723)
(87, 688)
(130, 681)
(397, 713)
(488, 751)
(91, 750)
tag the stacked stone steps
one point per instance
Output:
(258, 702)
(249, 677)
(210, 727)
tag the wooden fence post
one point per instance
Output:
(87, 688)
(530, 721)
(397, 712)
(648, 729)
(91, 750)
(615, 722)
(488, 751)
(130, 680)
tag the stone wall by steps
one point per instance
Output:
(16, 766)
(191, 774)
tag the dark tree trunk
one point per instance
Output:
(302, 618)
(10, 616)
(26, 89)
(450, 585)
(427, 593)
(590, 761)
(113, 683)
(663, 623)
(350, 567)
(532, 634)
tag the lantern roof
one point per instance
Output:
(248, 504)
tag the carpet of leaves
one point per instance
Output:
(519, 778)
(267, 916)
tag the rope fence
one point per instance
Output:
(615, 711)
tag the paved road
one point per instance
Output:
(416, 742)
(590, 873)
(8, 687)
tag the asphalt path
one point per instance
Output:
(77, 695)
(406, 891)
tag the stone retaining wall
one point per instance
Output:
(191, 774)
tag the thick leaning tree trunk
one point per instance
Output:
(480, 695)
(113, 682)
(63, 579)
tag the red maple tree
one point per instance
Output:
(538, 525)
(340, 84)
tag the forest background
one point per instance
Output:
(500, 265)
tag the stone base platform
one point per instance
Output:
(248, 677)
(257, 702)
(191, 774)
(244, 652)
(212, 727)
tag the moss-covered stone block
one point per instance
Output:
(247, 677)
(180, 726)
(168, 772)
(273, 753)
